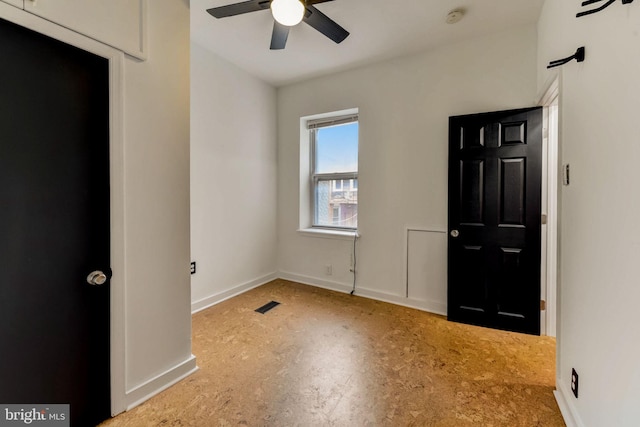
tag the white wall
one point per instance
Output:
(404, 108)
(233, 179)
(156, 134)
(598, 331)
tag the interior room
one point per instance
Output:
(211, 164)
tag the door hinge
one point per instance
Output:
(543, 219)
(543, 305)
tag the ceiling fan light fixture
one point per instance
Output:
(287, 12)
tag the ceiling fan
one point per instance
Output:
(286, 14)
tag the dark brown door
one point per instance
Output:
(494, 219)
(54, 225)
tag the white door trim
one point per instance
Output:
(550, 193)
(116, 165)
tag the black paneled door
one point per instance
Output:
(54, 225)
(495, 170)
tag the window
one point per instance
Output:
(334, 171)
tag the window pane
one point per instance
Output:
(336, 207)
(337, 149)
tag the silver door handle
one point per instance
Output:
(455, 233)
(96, 278)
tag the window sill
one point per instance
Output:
(328, 233)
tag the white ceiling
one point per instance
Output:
(380, 30)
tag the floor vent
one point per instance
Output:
(267, 307)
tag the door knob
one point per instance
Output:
(96, 278)
(455, 233)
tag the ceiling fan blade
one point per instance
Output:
(279, 36)
(239, 8)
(324, 24)
(312, 2)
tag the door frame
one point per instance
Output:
(552, 154)
(116, 168)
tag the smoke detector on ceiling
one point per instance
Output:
(455, 16)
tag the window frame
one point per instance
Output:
(316, 178)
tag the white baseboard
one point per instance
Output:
(428, 306)
(160, 382)
(314, 281)
(214, 299)
(564, 397)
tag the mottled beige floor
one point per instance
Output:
(323, 358)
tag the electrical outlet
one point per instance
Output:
(574, 382)
(193, 267)
(328, 269)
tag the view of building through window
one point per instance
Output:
(335, 175)
(337, 203)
